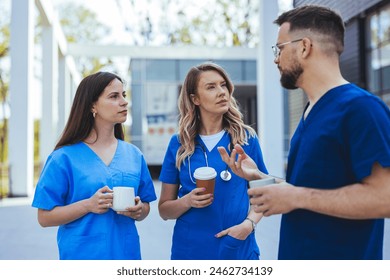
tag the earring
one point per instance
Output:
(94, 114)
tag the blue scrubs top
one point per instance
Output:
(73, 173)
(193, 236)
(346, 132)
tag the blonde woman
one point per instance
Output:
(219, 225)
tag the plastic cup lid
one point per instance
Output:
(205, 173)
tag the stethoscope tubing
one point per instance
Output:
(225, 174)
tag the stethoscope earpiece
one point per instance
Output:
(225, 175)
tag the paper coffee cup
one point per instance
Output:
(123, 198)
(261, 182)
(205, 178)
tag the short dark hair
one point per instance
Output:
(81, 121)
(317, 19)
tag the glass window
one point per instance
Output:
(378, 54)
(185, 65)
(386, 99)
(384, 25)
(233, 68)
(160, 70)
(250, 71)
(136, 115)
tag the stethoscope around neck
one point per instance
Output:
(225, 174)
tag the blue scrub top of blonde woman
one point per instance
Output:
(194, 231)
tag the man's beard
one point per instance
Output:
(289, 78)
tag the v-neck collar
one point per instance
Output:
(201, 142)
(100, 159)
(325, 99)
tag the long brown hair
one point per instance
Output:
(189, 122)
(81, 121)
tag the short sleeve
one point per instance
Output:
(146, 189)
(256, 154)
(368, 134)
(53, 185)
(169, 173)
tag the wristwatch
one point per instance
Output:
(253, 223)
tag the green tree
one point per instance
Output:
(4, 84)
(216, 23)
(80, 25)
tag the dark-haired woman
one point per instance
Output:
(74, 190)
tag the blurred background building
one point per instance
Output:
(48, 46)
(46, 57)
(155, 87)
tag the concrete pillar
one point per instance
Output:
(269, 92)
(21, 136)
(69, 79)
(49, 120)
(64, 95)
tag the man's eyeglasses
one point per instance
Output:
(276, 49)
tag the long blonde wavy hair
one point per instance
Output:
(189, 120)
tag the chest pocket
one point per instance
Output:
(131, 180)
(125, 179)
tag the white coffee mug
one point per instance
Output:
(123, 198)
(261, 182)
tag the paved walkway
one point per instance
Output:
(22, 238)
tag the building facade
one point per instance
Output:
(155, 87)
